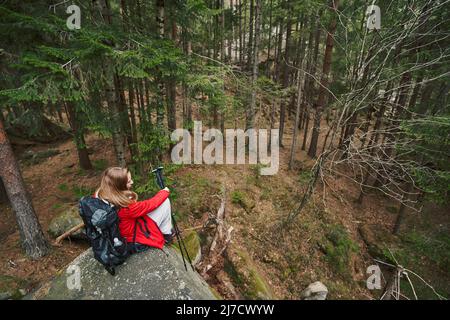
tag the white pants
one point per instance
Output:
(162, 217)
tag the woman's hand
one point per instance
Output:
(167, 189)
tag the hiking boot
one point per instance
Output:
(169, 237)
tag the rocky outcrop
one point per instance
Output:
(315, 291)
(12, 288)
(64, 221)
(153, 274)
(245, 275)
(192, 244)
(376, 240)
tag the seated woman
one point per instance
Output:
(147, 223)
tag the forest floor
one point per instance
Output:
(323, 244)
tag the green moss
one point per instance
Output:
(257, 288)
(192, 243)
(231, 271)
(305, 176)
(338, 248)
(10, 287)
(63, 187)
(435, 247)
(100, 164)
(237, 197)
(195, 195)
(215, 293)
(81, 191)
(240, 198)
(245, 276)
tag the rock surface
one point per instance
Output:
(12, 288)
(315, 291)
(376, 240)
(64, 221)
(151, 275)
(192, 244)
(246, 276)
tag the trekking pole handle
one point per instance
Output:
(159, 177)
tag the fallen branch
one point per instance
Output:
(68, 233)
(222, 238)
(220, 222)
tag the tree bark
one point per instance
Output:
(32, 237)
(285, 73)
(300, 80)
(78, 135)
(251, 111)
(3, 195)
(323, 83)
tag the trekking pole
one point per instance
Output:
(160, 182)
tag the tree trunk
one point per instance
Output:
(323, 90)
(3, 195)
(401, 211)
(268, 64)
(112, 97)
(32, 237)
(78, 135)
(250, 35)
(251, 111)
(300, 80)
(285, 74)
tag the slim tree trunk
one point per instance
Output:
(32, 237)
(251, 111)
(3, 195)
(78, 135)
(112, 97)
(323, 83)
(269, 45)
(231, 41)
(401, 211)
(250, 35)
(300, 80)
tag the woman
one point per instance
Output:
(147, 223)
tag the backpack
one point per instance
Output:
(102, 229)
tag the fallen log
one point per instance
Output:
(68, 233)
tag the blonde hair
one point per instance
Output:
(113, 187)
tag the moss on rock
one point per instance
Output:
(192, 243)
(375, 241)
(64, 221)
(245, 275)
(12, 287)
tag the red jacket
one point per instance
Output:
(129, 215)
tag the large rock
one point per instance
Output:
(377, 241)
(64, 221)
(153, 274)
(245, 275)
(193, 247)
(315, 291)
(12, 288)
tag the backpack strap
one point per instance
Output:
(147, 231)
(134, 235)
